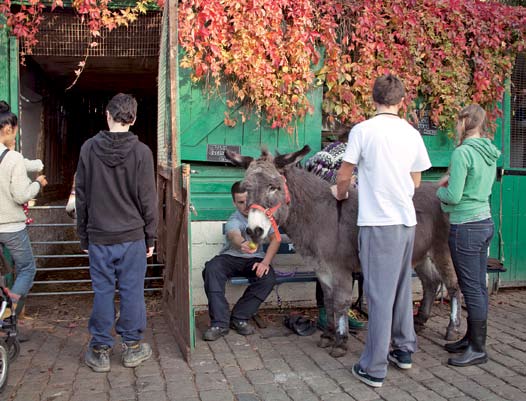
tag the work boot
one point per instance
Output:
(458, 346)
(98, 358)
(475, 352)
(354, 323)
(134, 353)
(242, 327)
(215, 333)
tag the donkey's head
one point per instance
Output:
(267, 192)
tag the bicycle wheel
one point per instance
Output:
(13, 348)
(4, 366)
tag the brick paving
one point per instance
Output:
(267, 367)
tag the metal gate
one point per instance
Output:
(513, 207)
(62, 269)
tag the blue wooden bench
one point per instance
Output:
(494, 267)
(285, 248)
(282, 277)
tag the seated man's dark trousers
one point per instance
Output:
(218, 271)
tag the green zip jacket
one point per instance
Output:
(471, 175)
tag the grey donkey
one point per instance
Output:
(326, 234)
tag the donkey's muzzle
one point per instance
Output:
(255, 234)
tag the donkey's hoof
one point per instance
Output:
(419, 327)
(420, 320)
(452, 334)
(338, 351)
(325, 342)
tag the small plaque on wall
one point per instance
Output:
(425, 126)
(216, 153)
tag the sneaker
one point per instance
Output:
(400, 358)
(134, 353)
(215, 333)
(242, 327)
(365, 378)
(98, 358)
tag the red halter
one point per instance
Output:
(270, 211)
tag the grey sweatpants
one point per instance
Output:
(385, 256)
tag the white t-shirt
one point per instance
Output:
(386, 150)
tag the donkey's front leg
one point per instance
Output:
(341, 332)
(430, 279)
(453, 328)
(327, 337)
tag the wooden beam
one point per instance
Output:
(173, 60)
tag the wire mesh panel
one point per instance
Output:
(518, 114)
(63, 34)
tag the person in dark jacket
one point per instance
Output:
(116, 205)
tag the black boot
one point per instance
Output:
(460, 345)
(476, 351)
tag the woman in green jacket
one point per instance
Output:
(464, 194)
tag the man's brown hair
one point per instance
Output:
(388, 90)
(237, 188)
(122, 108)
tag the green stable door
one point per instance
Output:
(512, 212)
(204, 137)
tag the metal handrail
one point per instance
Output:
(53, 225)
(65, 268)
(39, 294)
(82, 281)
(54, 242)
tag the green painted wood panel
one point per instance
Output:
(202, 123)
(9, 69)
(514, 228)
(512, 213)
(210, 188)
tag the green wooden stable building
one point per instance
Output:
(186, 130)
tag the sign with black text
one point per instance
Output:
(425, 126)
(216, 153)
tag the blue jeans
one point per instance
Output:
(20, 250)
(125, 265)
(469, 243)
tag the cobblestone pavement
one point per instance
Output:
(282, 367)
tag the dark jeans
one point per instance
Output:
(215, 275)
(469, 243)
(125, 264)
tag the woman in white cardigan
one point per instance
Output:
(15, 189)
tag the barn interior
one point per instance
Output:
(59, 112)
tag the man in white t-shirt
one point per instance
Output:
(390, 155)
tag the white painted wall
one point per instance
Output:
(207, 241)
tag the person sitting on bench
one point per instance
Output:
(239, 257)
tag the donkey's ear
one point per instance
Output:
(291, 158)
(237, 159)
